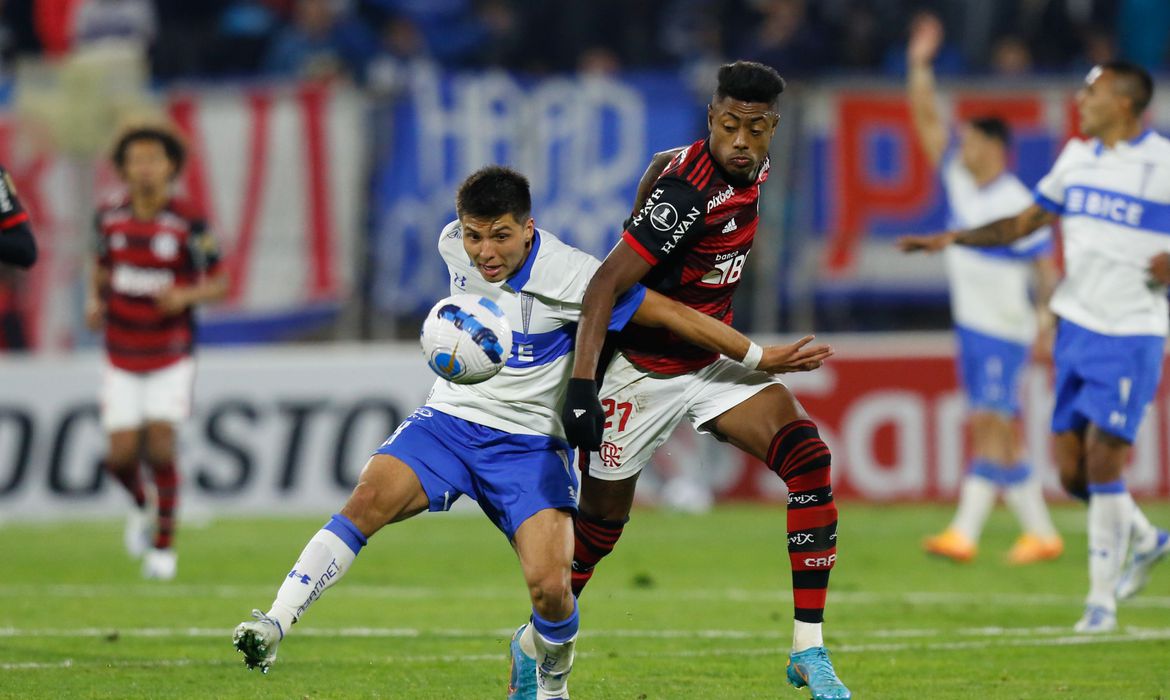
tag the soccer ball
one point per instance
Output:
(466, 339)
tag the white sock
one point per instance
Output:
(1027, 503)
(806, 635)
(528, 641)
(1109, 523)
(554, 662)
(1145, 535)
(976, 499)
(323, 562)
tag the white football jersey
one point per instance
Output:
(1114, 205)
(989, 286)
(542, 302)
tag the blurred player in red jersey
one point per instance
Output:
(690, 240)
(155, 260)
(17, 245)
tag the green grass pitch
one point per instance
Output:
(688, 607)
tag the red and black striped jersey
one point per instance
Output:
(11, 212)
(695, 229)
(17, 246)
(143, 258)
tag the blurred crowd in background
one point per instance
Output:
(363, 40)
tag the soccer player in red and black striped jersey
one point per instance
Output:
(17, 245)
(155, 261)
(689, 240)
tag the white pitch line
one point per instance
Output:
(736, 595)
(1068, 640)
(415, 633)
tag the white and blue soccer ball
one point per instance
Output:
(466, 339)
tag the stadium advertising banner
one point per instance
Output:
(583, 142)
(279, 172)
(287, 430)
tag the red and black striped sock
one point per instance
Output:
(802, 460)
(166, 482)
(130, 477)
(593, 539)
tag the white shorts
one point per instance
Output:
(642, 408)
(131, 399)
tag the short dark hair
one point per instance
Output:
(171, 143)
(748, 81)
(1135, 83)
(493, 191)
(993, 128)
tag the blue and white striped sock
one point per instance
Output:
(555, 645)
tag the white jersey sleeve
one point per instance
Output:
(1050, 191)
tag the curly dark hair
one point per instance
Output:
(175, 149)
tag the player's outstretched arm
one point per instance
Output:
(996, 233)
(926, 36)
(700, 329)
(581, 414)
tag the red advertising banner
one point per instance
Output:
(894, 417)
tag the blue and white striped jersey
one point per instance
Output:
(542, 302)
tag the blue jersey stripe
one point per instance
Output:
(537, 349)
(1117, 208)
(1049, 204)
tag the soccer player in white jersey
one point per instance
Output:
(500, 441)
(1111, 193)
(995, 321)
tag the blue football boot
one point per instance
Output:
(812, 668)
(522, 679)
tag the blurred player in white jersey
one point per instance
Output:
(995, 321)
(1111, 194)
(500, 441)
